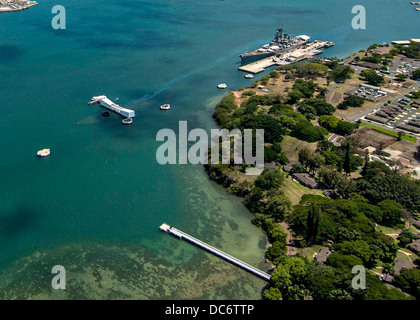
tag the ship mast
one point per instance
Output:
(281, 30)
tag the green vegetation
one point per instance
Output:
(409, 280)
(401, 77)
(378, 187)
(351, 101)
(411, 51)
(375, 58)
(371, 77)
(336, 125)
(341, 73)
(368, 199)
(311, 70)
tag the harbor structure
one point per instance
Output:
(282, 43)
(303, 52)
(182, 235)
(108, 104)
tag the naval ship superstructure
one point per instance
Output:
(282, 42)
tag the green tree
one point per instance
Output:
(341, 73)
(276, 251)
(279, 206)
(409, 280)
(320, 105)
(401, 77)
(274, 74)
(270, 178)
(347, 160)
(273, 130)
(314, 216)
(342, 261)
(289, 277)
(320, 280)
(359, 248)
(272, 294)
(416, 74)
(294, 96)
(376, 290)
(340, 294)
(392, 211)
(406, 237)
(329, 122)
(371, 77)
(351, 101)
(304, 155)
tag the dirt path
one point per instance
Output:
(291, 249)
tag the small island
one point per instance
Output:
(15, 5)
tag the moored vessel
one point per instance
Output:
(282, 43)
(127, 121)
(43, 153)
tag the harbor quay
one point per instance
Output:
(303, 52)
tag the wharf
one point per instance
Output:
(306, 51)
(182, 235)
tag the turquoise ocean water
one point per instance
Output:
(95, 205)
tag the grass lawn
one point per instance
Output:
(294, 190)
(405, 254)
(291, 146)
(310, 251)
(390, 132)
(388, 230)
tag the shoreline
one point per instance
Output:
(233, 182)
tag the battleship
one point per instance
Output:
(282, 42)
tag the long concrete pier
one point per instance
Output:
(182, 235)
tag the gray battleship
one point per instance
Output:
(282, 42)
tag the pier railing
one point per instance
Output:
(182, 235)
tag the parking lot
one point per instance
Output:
(403, 114)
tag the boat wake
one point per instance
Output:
(171, 82)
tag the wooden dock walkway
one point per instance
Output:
(182, 235)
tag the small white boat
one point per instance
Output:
(222, 86)
(165, 106)
(249, 76)
(127, 121)
(43, 153)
